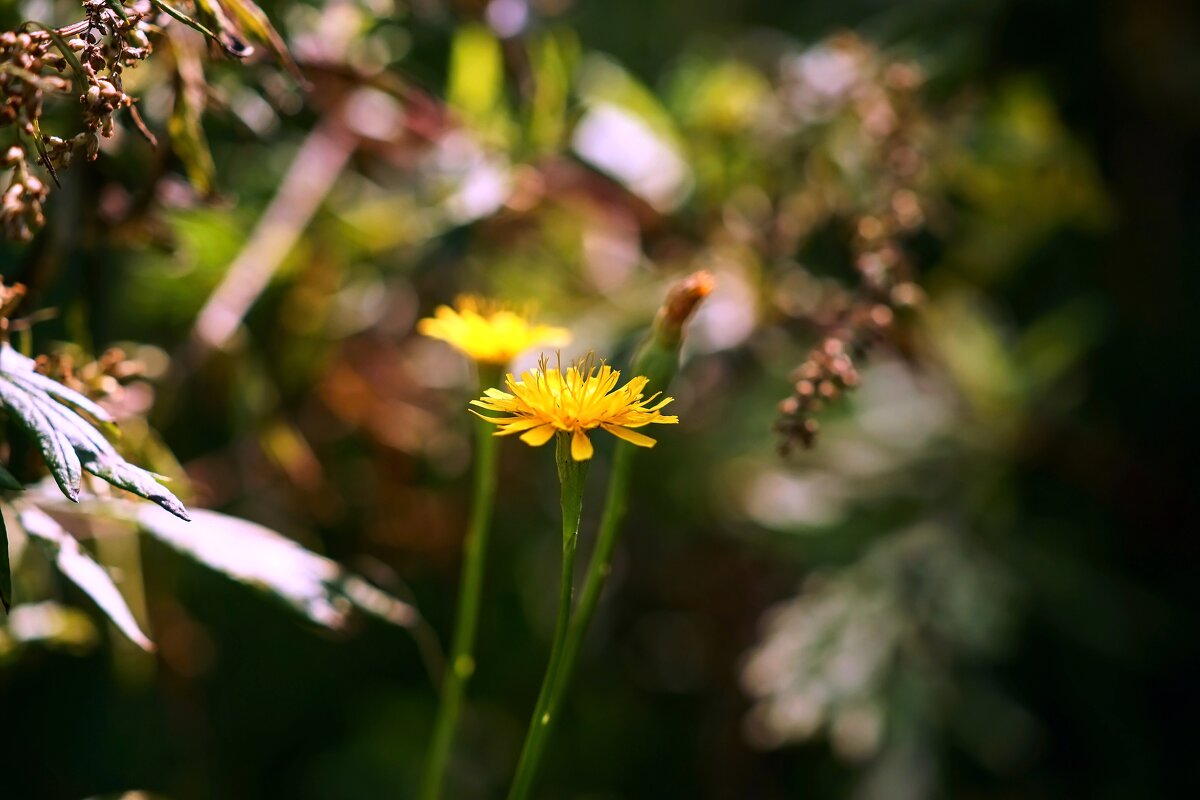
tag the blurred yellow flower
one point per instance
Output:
(487, 332)
(546, 401)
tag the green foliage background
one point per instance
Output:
(1005, 502)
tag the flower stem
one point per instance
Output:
(599, 568)
(657, 359)
(571, 475)
(461, 664)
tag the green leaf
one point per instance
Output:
(83, 570)
(317, 587)
(229, 37)
(123, 475)
(44, 156)
(184, 125)
(69, 443)
(176, 14)
(5, 567)
(38, 382)
(102, 460)
(475, 83)
(250, 22)
(60, 457)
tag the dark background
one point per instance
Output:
(1094, 521)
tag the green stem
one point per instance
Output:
(598, 571)
(461, 664)
(657, 359)
(570, 475)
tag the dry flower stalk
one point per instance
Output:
(884, 104)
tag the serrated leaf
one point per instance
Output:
(5, 568)
(83, 570)
(317, 587)
(83, 438)
(68, 442)
(35, 381)
(58, 453)
(123, 475)
(101, 459)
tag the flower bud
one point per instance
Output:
(658, 357)
(680, 304)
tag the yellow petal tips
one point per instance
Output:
(576, 401)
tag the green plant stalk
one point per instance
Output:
(658, 360)
(460, 666)
(571, 476)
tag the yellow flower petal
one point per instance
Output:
(538, 436)
(579, 399)
(633, 437)
(521, 424)
(487, 332)
(581, 446)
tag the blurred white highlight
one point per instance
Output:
(622, 145)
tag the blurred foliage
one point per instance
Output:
(974, 583)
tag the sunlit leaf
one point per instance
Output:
(60, 457)
(77, 565)
(184, 126)
(249, 22)
(195, 25)
(214, 16)
(475, 84)
(68, 442)
(39, 382)
(476, 80)
(249, 553)
(553, 59)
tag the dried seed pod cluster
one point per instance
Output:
(828, 371)
(21, 204)
(881, 98)
(37, 64)
(102, 378)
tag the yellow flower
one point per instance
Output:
(546, 401)
(489, 333)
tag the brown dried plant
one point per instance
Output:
(883, 103)
(39, 64)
